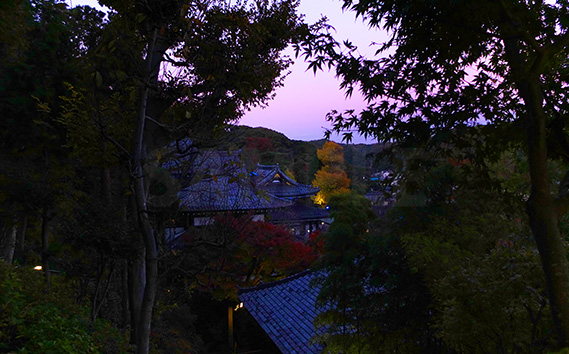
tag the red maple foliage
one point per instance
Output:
(257, 251)
(260, 144)
(277, 247)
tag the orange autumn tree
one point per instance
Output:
(331, 178)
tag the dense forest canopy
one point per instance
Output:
(450, 65)
(87, 110)
(94, 105)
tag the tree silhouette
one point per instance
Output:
(449, 65)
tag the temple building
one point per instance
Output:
(215, 182)
(301, 217)
(277, 183)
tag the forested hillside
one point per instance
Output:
(266, 146)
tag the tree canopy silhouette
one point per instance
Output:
(451, 65)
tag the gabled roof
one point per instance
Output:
(194, 165)
(216, 181)
(226, 194)
(277, 183)
(286, 310)
(265, 173)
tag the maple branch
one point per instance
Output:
(516, 23)
(557, 46)
(113, 140)
(546, 53)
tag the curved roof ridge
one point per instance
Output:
(267, 166)
(271, 174)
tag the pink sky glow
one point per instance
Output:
(300, 106)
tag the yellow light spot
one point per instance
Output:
(38, 267)
(319, 199)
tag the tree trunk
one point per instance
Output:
(136, 283)
(21, 253)
(102, 287)
(45, 255)
(125, 296)
(541, 207)
(544, 219)
(153, 60)
(553, 256)
(9, 241)
(150, 246)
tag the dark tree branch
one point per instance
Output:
(517, 24)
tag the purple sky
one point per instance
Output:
(300, 107)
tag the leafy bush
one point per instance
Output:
(33, 320)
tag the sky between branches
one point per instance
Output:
(299, 108)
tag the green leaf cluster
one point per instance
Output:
(33, 321)
(477, 257)
(458, 272)
(371, 300)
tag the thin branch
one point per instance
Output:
(174, 62)
(161, 125)
(516, 22)
(557, 46)
(111, 139)
(546, 53)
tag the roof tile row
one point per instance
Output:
(286, 310)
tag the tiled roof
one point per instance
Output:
(284, 190)
(298, 212)
(286, 310)
(226, 194)
(263, 170)
(194, 165)
(217, 181)
(277, 183)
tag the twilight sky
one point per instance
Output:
(300, 107)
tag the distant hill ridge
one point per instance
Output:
(266, 146)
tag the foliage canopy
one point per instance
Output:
(451, 65)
